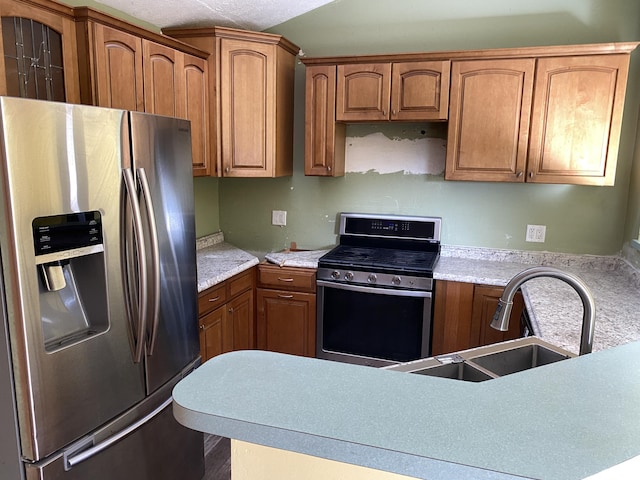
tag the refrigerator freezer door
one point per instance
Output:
(158, 449)
(58, 160)
(161, 155)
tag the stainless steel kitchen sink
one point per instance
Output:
(518, 359)
(487, 362)
(456, 371)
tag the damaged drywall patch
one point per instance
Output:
(412, 151)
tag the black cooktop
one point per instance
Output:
(380, 259)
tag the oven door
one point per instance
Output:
(372, 325)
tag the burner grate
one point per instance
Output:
(385, 258)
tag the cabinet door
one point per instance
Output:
(286, 322)
(39, 52)
(161, 80)
(489, 119)
(247, 107)
(118, 69)
(241, 312)
(452, 314)
(363, 92)
(420, 90)
(195, 98)
(216, 334)
(576, 118)
(485, 302)
(462, 314)
(324, 140)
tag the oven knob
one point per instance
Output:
(335, 274)
(372, 278)
(348, 276)
(396, 280)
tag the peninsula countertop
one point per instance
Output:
(563, 421)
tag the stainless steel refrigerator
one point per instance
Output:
(98, 289)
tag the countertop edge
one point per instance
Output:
(445, 441)
(333, 449)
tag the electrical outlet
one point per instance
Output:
(279, 217)
(536, 233)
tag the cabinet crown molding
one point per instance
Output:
(497, 53)
(234, 33)
(87, 14)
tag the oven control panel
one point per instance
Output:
(391, 226)
(376, 279)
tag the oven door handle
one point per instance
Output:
(381, 291)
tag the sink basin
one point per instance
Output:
(456, 371)
(517, 359)
(487, 362)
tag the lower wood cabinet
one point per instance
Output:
(463, 312)
(286, 310)
(227, 316)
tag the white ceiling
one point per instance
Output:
(256, 15)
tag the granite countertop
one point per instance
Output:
(296, 258)
(554, 307)
(563, 421)
(218, 260)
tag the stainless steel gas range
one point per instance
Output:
(375, 290)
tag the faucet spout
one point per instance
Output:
(500, 319)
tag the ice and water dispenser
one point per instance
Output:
(70, 261)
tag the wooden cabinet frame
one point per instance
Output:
(518, 136)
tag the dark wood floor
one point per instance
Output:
(217, 458)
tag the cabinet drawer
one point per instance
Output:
(240, 283)
(212, 298)
(287, 278)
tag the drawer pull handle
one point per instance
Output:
(285, 279)
(280, 295)
(215, 299)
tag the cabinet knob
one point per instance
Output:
(384, 113)
(226, 169)
(393, 112)
(201, 327)
(231, 310)
(530, 174)
(328, 169)
(519, 174)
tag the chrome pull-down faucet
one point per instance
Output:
(501, 317)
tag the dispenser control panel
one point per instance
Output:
(69, 231)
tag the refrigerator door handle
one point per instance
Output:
(71, 458)
(139, 334)
(155, 256)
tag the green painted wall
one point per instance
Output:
(579, 219)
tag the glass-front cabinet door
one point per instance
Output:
(39, 56)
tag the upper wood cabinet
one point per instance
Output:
(489, 119)
(38, 45)
(123, 66)
(162, 73)
(534, 114)
(254, 79)
(576, 119)
(195, 104)
(118, 80)
(324, 139)
(550, 120)
(409, 91)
